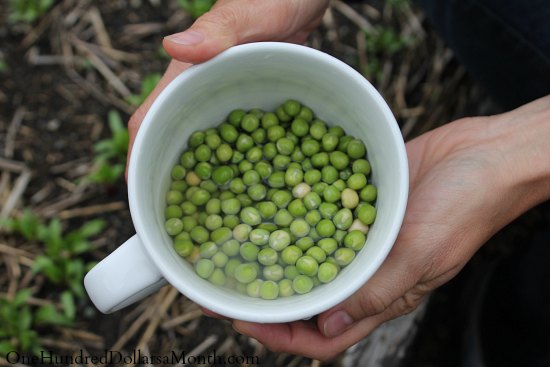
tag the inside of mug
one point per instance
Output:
(264, 76)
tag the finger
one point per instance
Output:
(395, 279)
(233, 22)
(174, 69)
(303, 337)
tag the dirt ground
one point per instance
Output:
(66, 70)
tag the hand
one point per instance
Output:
(468, 179)
(229, 23)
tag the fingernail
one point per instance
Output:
(337, 323)
(187, 38)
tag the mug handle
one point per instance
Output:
(124, 277)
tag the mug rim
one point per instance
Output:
(159, 261)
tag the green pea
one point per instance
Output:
(296, 208)
(258, 112)
(196, 139)
(250, 216)
(320, 159)
(329, 245)
(231, 206)
(217, 278)
(231, 221)
(299, 227)
(344, 142)
(349, 198)
(319, 187)
(183, 247)
(291, 272)
(199, 234)
(337, 130)
(313, 176)
(269, 119)
(356, 149)
(253, 288)
(213, 140)
(269, 289)
(302, 284)
(257, 192)
(285, 146)
(270, 150)
(331, 194)
(325, 228)
(285, 288)
(209, 186)
(343, 219)
(367, 213)
(344, 256)
(268, 226)
(244, 143)
(279, 239)
(203, 170)
(231, 247)
(291, 254)
(339, 160)
(222, 175)
(188, 208)
(310, 147)
(304, 243)
(187, 160)
(282, 115)
(301, 190)
(267, 209)
(179, 185)
(221, 235)
(213, 206)
(355, 240)
(293, 176)
(329, 174)
(275, 133)
(259, 236)
(245, 273)
(203, 153)
(250, 122)
(327, 272)
(299, 127)
(292, 107)
(345, 173)
(281, 198)
(245, 166)
(204, 268)
(236, 116)
(283, 218)
(173, 226)
(237, 186)
(213, 221)
(201, 197)
(173, 211)
(249, 251)
(368, 193)
(254, 154)
(307, 265)
(361, 166)
(201, 217)
(188, 223)
(230, 267)
(317, 253)
(251, 178)
(241, 232)
(313, 217)
(178, 172)
(273, 272)
(174, 197)
(329, 142)
(357, 181)
(208, 249)
(264, 169)
(276, 180)
(268, 256)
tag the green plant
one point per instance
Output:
(50, 315)
(16, 319)
(398, 4)
(28, 10)
(61, 261)
(384, 42)
(147, 85)
(110, 158)
(196, 8)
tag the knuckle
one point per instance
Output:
(372, 303)
(225, 17)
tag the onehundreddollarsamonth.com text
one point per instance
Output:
(113, 357)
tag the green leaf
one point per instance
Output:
(69, 308)
(24, 320)
(92, 227)
(21, 297)
(45, 265)
(48, 315)
(5, 348)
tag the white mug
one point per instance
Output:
(257, 75)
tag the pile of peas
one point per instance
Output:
(271, 203)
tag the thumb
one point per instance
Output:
(391, 292)
(232, 22)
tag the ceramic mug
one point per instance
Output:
(256, 75)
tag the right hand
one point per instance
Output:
(230, 23)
